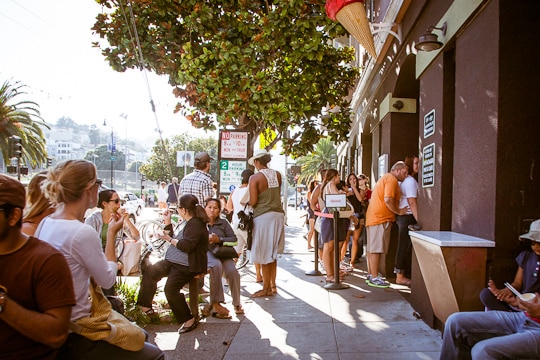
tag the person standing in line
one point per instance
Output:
(268, 220)
(381, 213)
(234, 206)
(355, 196)
(409, 194)
(162, 195)
(73, 186)
(330, 187)
(316, 207)
(36, 289)
(199, 182)
(38, 205)
(172, 192)
(185, 259)
(311, 214)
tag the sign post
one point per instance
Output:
(334, 202)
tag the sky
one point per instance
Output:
(47, 46)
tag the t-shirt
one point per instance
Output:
(236, 196)
(409, 189)
(378, 212)
(81, 246)
(38, 278)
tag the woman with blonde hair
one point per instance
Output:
(73, 185)
(37, 205)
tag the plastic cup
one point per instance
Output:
(528, 296)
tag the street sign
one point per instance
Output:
(113, 158)
(230, 174)
(234, 145)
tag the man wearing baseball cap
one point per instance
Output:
(36, 290)
(199, 182)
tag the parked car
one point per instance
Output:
(131, 202)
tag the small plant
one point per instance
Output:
(128, 292)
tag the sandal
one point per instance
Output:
(221, 315)
(274, 289)
(262, 293)
(239, 310)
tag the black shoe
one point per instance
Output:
(185, 329)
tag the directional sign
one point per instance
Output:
(230, 174)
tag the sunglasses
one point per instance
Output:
(116, 201)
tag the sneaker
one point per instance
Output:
(368, 278)
(378, 282)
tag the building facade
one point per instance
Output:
(468, 109)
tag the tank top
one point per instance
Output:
(270, 199)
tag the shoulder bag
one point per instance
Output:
(223, 251)
(106, 324)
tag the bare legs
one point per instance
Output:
(269, 273)
(258, 273)
(373, 263)
(310, 234)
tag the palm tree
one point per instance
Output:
(322, 157)
(21, 118)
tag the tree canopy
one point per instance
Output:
(161, 166)
(21, 118)
(323, 157)
(252, 65)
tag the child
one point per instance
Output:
(526, 279)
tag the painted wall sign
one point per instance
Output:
(428, 166)
(429, 124)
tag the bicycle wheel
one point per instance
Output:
(242, 259)
(148, 229)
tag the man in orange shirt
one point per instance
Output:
(381, 213)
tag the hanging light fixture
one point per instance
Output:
(429, 41)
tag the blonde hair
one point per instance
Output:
(36, 201)
(67, 181)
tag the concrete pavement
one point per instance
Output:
(305, 320)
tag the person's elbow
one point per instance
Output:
(57, 339)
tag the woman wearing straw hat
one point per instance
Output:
(268, 220)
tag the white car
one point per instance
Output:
(131, 202)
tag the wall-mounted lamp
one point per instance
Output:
(430, 41)
(398, 105)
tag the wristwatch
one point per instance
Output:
(3, 293)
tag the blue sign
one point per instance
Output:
(231, 188)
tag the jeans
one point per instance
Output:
(78, 347)
(490, 335)
(404, 247)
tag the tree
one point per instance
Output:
(22, 119)
(162, 163)
(253, 65)
(101, 157)
(134, 166)
(322, 157)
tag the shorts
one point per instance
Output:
(378, 238)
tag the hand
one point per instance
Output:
(213, 238)
(532, 307)
(403, 210)
(166, 216)
(116, 223)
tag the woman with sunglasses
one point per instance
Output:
(109, 203)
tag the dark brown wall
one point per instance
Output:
(476, 127)
(431, 97)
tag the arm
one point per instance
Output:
(49, 327)
(314, 201)
(253, 190)
(392, 206)
(531, 307)
(225, 234)
(131, 228)
(413, 205)
(230, 206)
(188, 239)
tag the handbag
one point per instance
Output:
(223, 252)
(245, 218)
(318, 223)
(106, 324)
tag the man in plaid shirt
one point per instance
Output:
(199, 182)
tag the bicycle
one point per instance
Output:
(242, 260)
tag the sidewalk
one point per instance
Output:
(306, 321)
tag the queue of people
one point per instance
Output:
(73, 251)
